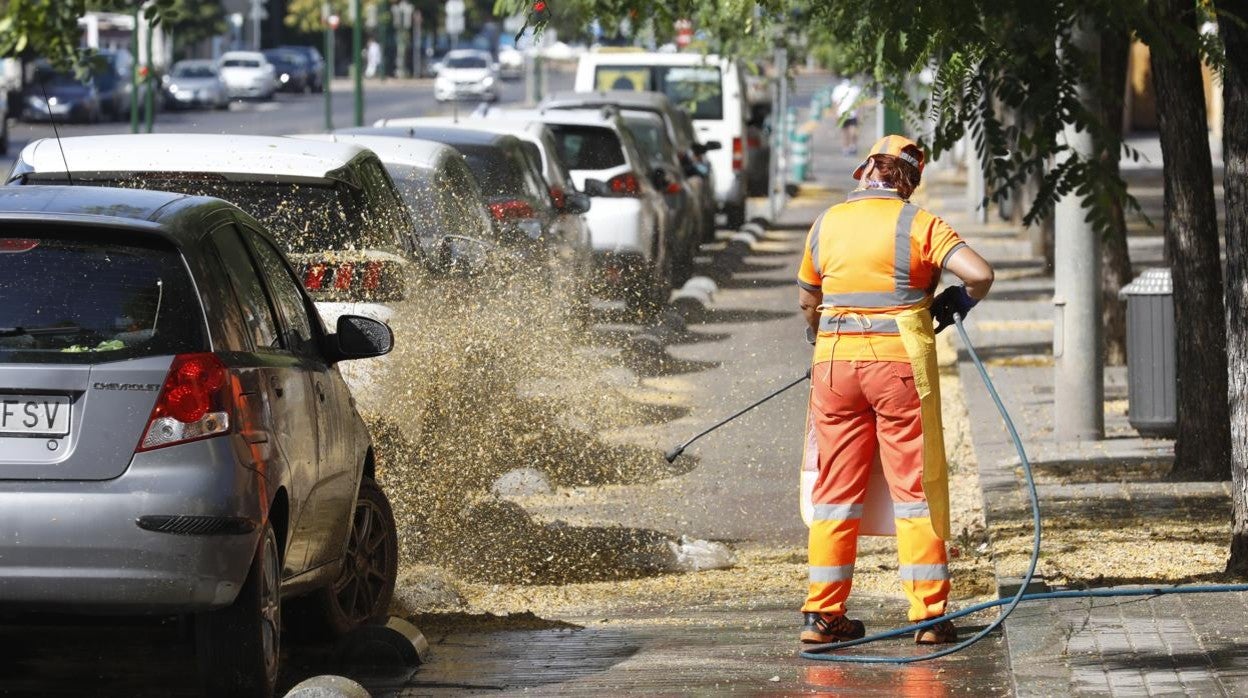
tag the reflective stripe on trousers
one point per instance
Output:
(873, 408)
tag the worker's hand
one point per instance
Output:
(811, 336)
(948, 302)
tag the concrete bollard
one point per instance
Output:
(397, 645)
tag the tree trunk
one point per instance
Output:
(1115, 257)
(1235, 185)
(1202, 449)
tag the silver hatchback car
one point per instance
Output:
(175, 437)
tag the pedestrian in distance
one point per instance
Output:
(845, 97)
(372, 59)
(874, 460)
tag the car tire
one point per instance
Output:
(238, 646)
(361, 594)
(735, 213)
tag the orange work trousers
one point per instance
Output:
(858, 407)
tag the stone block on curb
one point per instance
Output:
(702, 283)
(753, 229)
(396, 648)
(743, 237)
(327, 686)
(691, 304)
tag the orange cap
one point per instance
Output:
(895, 145)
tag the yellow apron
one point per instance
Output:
(917, 335)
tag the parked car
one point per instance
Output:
(444, 200)
(693, 163)
(331, 206)
(510, 63)
(710, 87)
(294, 73)
(195, 84)
(248, 74)
(188, 445)
(525, 219)
(4, 121)
(570, 205)
(316, 65)
(665, 171)
(61, 95)
(629, 220)
(466, 74)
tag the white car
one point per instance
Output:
(628, 221)
(247, 74)
(710, 87)
(466, 74)
(510, 63)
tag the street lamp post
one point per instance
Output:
(327, 80)
(357, 47)
(134, 71)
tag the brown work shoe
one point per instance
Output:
(940, 634)
(822, 628)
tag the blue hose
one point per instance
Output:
(821, 652)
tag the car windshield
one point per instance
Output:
(443, 202)
(696, 88)
(197, 70)
(303, 217)
(588, 147)
(53, 78)
(77, 299)
(466, 62)
(240, 63)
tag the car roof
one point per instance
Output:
(416, 152)
(586, 117)
(645, 58)
(450, 135)
(176, 216)
(241, 157)
(242, 54)
(626, 99)
(522, 128)
(468, 52)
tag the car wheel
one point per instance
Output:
(362, 592)
(238, 646)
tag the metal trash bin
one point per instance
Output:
(1151, 377)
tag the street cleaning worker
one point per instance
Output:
(867, 280)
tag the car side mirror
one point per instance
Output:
(576, 202)
(359, 337)
(703, 148)
(596, 187)
(457, 255)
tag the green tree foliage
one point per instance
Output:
(193, 21)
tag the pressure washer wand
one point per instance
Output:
(673, 454)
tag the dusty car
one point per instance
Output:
(176, 438)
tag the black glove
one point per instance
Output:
(952, 300)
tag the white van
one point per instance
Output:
(711, 88)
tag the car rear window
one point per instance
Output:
(76, 299)
(588, 147)
(496, 171)
(697, 88)
(307, 217)
(445, 203)
(651, 138)
(240, 63)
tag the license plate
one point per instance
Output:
(34, 415)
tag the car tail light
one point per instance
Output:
(511, 209)
(625, 184)
(559, 197)
(738, 154)
(674, 188)
(314, 277)
(343, 276)
(754, 142)
(17, 245)
(372, 276)
(196, 402)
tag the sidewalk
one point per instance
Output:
(1109, 517)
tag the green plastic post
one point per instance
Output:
(134, 74)
(328, 78)
(149, 106)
